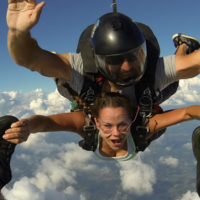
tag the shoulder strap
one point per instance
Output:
(90, 141)
(139, 133)
(144, 89)
(91, 86)
(153, 53)
(84, 46)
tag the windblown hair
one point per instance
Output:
(104, 100)
(74, 95)
(114, 100)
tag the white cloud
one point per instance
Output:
(188, 145)
(26, 189)
(23, 190)
(56, 172)
(55, 163)
(37, 144)
(168, 148)
(119, 196)
(72, 194)
(26, 158)
(188, 92)
(189, 196)
(173, 162)
(137, 177)
(66, 160)
(23, 105)
(71, 154)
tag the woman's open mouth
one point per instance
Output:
(117, 142)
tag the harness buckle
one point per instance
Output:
(85, 145)
(142, 128)
(142, 143)
(146, 104)
(89, 128)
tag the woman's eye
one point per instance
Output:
(108, 126)
(123, 124)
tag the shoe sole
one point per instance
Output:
(186, 36)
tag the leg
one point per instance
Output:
(6, 150)
(196, 151)
(191, 43)
(2, 197)
(181, 49)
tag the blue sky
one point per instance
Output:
(62, 22)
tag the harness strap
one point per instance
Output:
(90, 141)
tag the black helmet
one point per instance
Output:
(116, 39)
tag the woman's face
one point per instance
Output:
(113, 124)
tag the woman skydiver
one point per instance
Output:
(113, 115)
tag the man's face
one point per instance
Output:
(124, 71)
(123, 68)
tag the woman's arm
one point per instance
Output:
(173, 117)
(20, 131)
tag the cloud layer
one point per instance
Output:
(46, 167)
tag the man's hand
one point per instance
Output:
(23, 15)
(19, 131)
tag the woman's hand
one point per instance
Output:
(19, 131)
(23, 15)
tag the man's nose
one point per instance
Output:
(126, 66)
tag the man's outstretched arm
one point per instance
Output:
(188, 66)
(24, 50)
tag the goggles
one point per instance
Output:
(111, 66)
(119, 59)
(121, 127)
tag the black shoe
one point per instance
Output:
(6, 150)
(192, 43)
(196, 151)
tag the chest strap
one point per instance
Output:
(90, 141)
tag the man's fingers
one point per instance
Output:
(37, 11)
(11, 1)
(22, 136)
(17, 140)
(32, 2)
(19, 130)
(20, 1)
(17, 124)
(20, 123)
(11, 136)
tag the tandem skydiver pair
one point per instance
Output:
(132, 61)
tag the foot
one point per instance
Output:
(196, 151)
(192, 43)
(6, 150)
